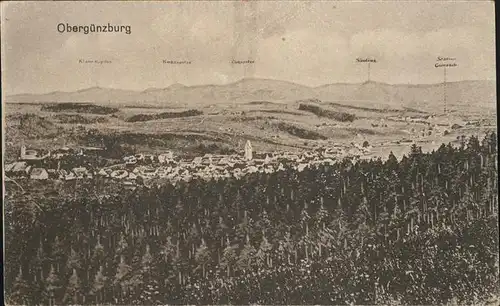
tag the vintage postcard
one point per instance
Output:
(250, 152)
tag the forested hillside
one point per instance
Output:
(419, 231)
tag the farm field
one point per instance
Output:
(272, 125)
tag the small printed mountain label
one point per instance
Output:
(445, 62)
(171, 62)
(92, 61)
(365, 60)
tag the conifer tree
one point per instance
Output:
(52, 287)
(229, 257)
(144, 282)
(304, 219)
(320, 218)
(98, 254)
(245, 259)
(202, 257)
(289, 247)
(21, 291)
(58, 253)
(73, 290)
(244, 227)
(147, 261)
(74, 261)
(220, 231)
(122, 246)
(193, 237)
(264, 252)
(168, 254)
(141, 267)
(122, 276)
(98, 285)
(37, 263)
(168, 250)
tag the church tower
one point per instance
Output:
(248, 150)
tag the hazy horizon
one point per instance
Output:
(242, 79)
(311, 43)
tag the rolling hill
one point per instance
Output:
(461, 96)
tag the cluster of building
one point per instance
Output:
(212, 166)
(430, 127)
(33, 164)
(148, 168)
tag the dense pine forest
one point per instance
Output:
(422, 230)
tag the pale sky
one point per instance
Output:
(311, 43)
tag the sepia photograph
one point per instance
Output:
(249, 152)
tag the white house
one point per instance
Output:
(119, 174)
(165, 157)
(130, 160)
(8, 167)
(39, 174)
(103, 172)
(81, 172)
(19, 169)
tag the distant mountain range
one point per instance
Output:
(424, 97)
